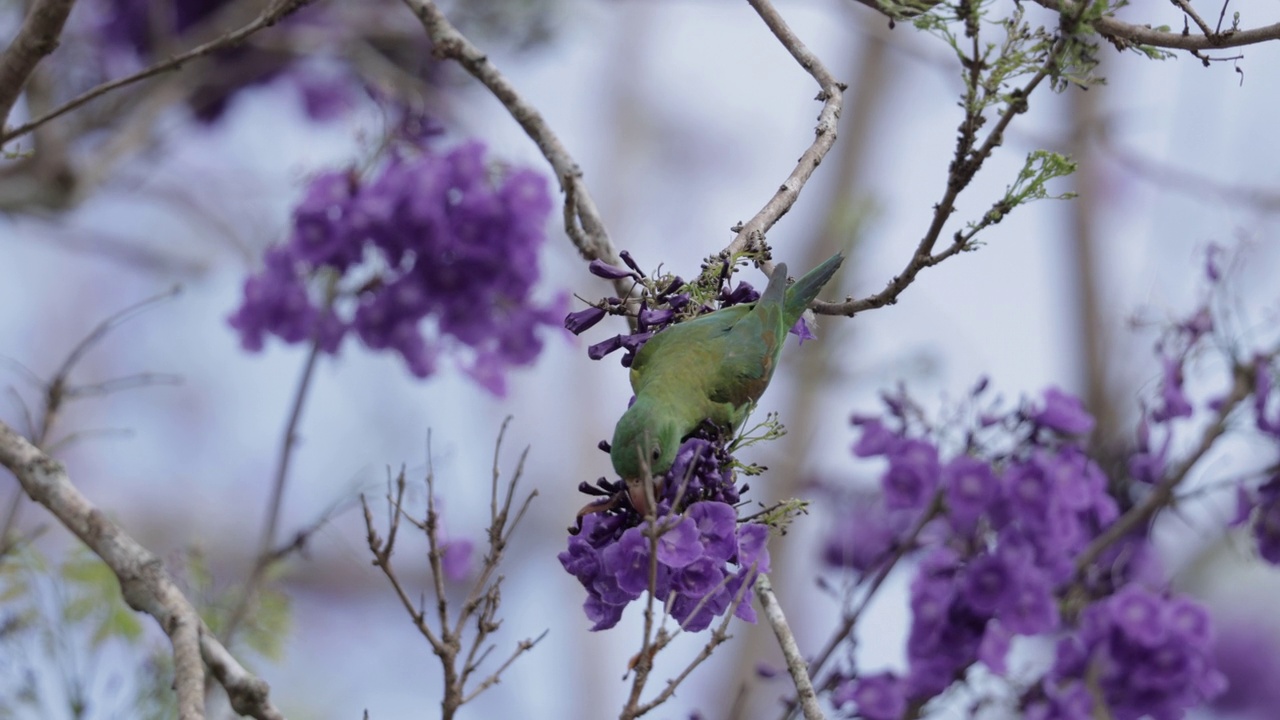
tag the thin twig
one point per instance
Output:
(1190, 12)
(850, 620)
(522, 647)
(484, 598)
(267, 541)
(1163, 493)
(796, 664)
(718, 637)
(273, 14)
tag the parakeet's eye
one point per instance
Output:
(656, 452)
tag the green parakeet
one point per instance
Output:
(714, 367)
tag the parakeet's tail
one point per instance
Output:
(807, 288)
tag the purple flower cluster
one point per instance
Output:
(1000, 532)
(1146, 654)
(609, 553)
(686, 565)
(435, 253)
(1007, 533)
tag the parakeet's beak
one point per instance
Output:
(638, 492)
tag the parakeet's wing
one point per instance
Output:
(681, 352)
(745, 357)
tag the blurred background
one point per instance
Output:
(684, 115)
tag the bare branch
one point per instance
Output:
(1124, 34)
(582, 220)
(751, 234)
(273, 14)
(144, 583)
(483, 599)
(968, 160)
(37, 37)
(796, 664)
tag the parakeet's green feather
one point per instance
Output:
(714, 367)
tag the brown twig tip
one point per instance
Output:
(458, 635)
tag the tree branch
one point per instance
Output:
(968, 160)
(582, 219)
(144, 583)
(37, 37)
(831, 92)
(1123, 34)
(273, 14)
(796, 664)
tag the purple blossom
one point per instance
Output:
(1069, 701)
(1173, 401)
(1064, 413)
(986, 582)
(604, 347)
(1139, 615)
(993, 650)
(716, 522)
(802, 330)
(456, 559)
(680, 544)
(753, 547)
(1147, 654)
(1247, 654)
(430, 235)
(1266, 521)
(912, 475)
(583, 320)
(864, 534)
(699, 577)
(704, 558)
(876, 439)
(879, 697)
(628, 561)
(649, 317)
(275, 303)
(971, 489)
(602, 269)
(1029, 608)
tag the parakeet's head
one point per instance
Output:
(644, 437)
